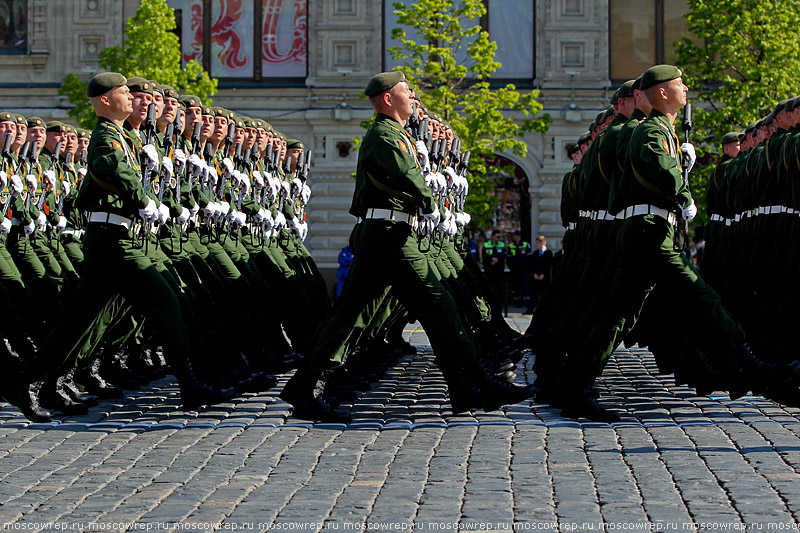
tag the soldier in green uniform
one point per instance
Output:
(650, 189)
(114, 197)
(391, 198)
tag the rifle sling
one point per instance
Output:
(391, 191)
(105, 185)
(650, 187)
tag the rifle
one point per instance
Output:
(54, 167)
(7, 144)
(229, 138)
(412, 124)
(67, 162)
(196, 136)
(686, 125)
(150, 123)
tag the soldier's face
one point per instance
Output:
(262, 138)
(252, 134)
(731, 149)
(53, 138)
(238, 135)
(37, 134)
(208, 126)
(83, 144)
(120, 101)
(7, 127)
(22, 134)
(220, 128)
(402, 99)
(293, 154)
(158, 99)
(170, 109)
(72, 143)
(193, 114)
(140, 103)
(677, 92)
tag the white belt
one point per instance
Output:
(728, 221)
(77, 233)
(775, 209)
(790, 211)
(571, 225)
(391, 214)
(584, 214)
(604, 215)
(717, 218)
(738, 217)
(646, 209)
(110, 218)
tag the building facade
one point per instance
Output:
(317, 55)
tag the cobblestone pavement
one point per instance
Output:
(677, 462)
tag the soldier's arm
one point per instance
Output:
(402, 171)
(658, 167)
(109, 165)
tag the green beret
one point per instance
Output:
(749, 129)
(742, 136)
(167, 91)
(659, 74)
(268, 126)
(260, 124)
(22, 120)
(189, 100)
(137, 84)
(105, 81)
(7, 117)
(600, 117)
(280, 135)
(239, 122)
(626, 89)
(780, 106)
(294, 143)
(584, 138)
(731, 137)
(637, 85)
(615, 98)
(572, 148)
(157, 88)
(759, 124)
(208, 111)
(56, 126)
(36, 122)
(383, 82)
(609, 113)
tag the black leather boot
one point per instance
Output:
(21, 397)
(304, 392)
(53, 396)
(581, 404)
(72, 391)
(763, 374)
(89, 380)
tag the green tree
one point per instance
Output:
(151, 50)
(741, 61)
(460, 91)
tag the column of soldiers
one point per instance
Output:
(623, 278)
(172, 235)
(411, 262)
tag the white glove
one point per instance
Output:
(452, 177)
(197, 165)
(31, 182)
(452, 227)
(441, 183)
(689, 212)
(306, 194)
(294, 225)
(259, 217)
(62, 223)
(430, 180)
(30, 227)
(16, 185)
(237, 218)
(244, 183)
(180, 161)
(689, 157)
(82, 171)
(194, 209)
(285, 189)
(5, 226)
(167, 169)
(50, 177)
(184, 216)
(3, 179)
(258, 180)
(431, 220)
(210, 209)
(267, 221)
(150, 157)
(163, 213)
(150, 211)
(224, 207)
(65, 188)
(227, 167)
(422, 151)
(297, 186)
(41, 221)
(280, 221)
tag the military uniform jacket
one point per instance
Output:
(604, 171)
(388, 175)
(113, 182)
(716, 188)
(652, 174)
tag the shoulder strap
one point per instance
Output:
(104, 184)
(390, 190)
(600, 160)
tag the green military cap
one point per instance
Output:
(248, 122)
(137, 84)
(615, 98)
(769, 119)
(239, 122)
(383, 82)
(742, 136)
(294, 143)
(7, 117)
(626, 89)
(157, 87)
(189, 100)
(780, 106)
(749, 129)
(21, 120)
(572, 148)
(105, 81)
(222, 112)
(84, 133)
(659, 74)
(592, 127)
(637, 84)
(208, 111)
(795, 103)
(268, 126)
(608, 113)
(167, 91)
(280, 135)
(262, 124)
(584, 138)
(731, 137)
(36, 122)
(600, 117)
(56, 126)
(759, 124)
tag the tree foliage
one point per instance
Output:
(450, 69)
(742, 60)
(151, 50)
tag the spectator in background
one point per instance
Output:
(473, 247)
(345, 260)
(494, 263)
(541, 271)
(519, 259)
